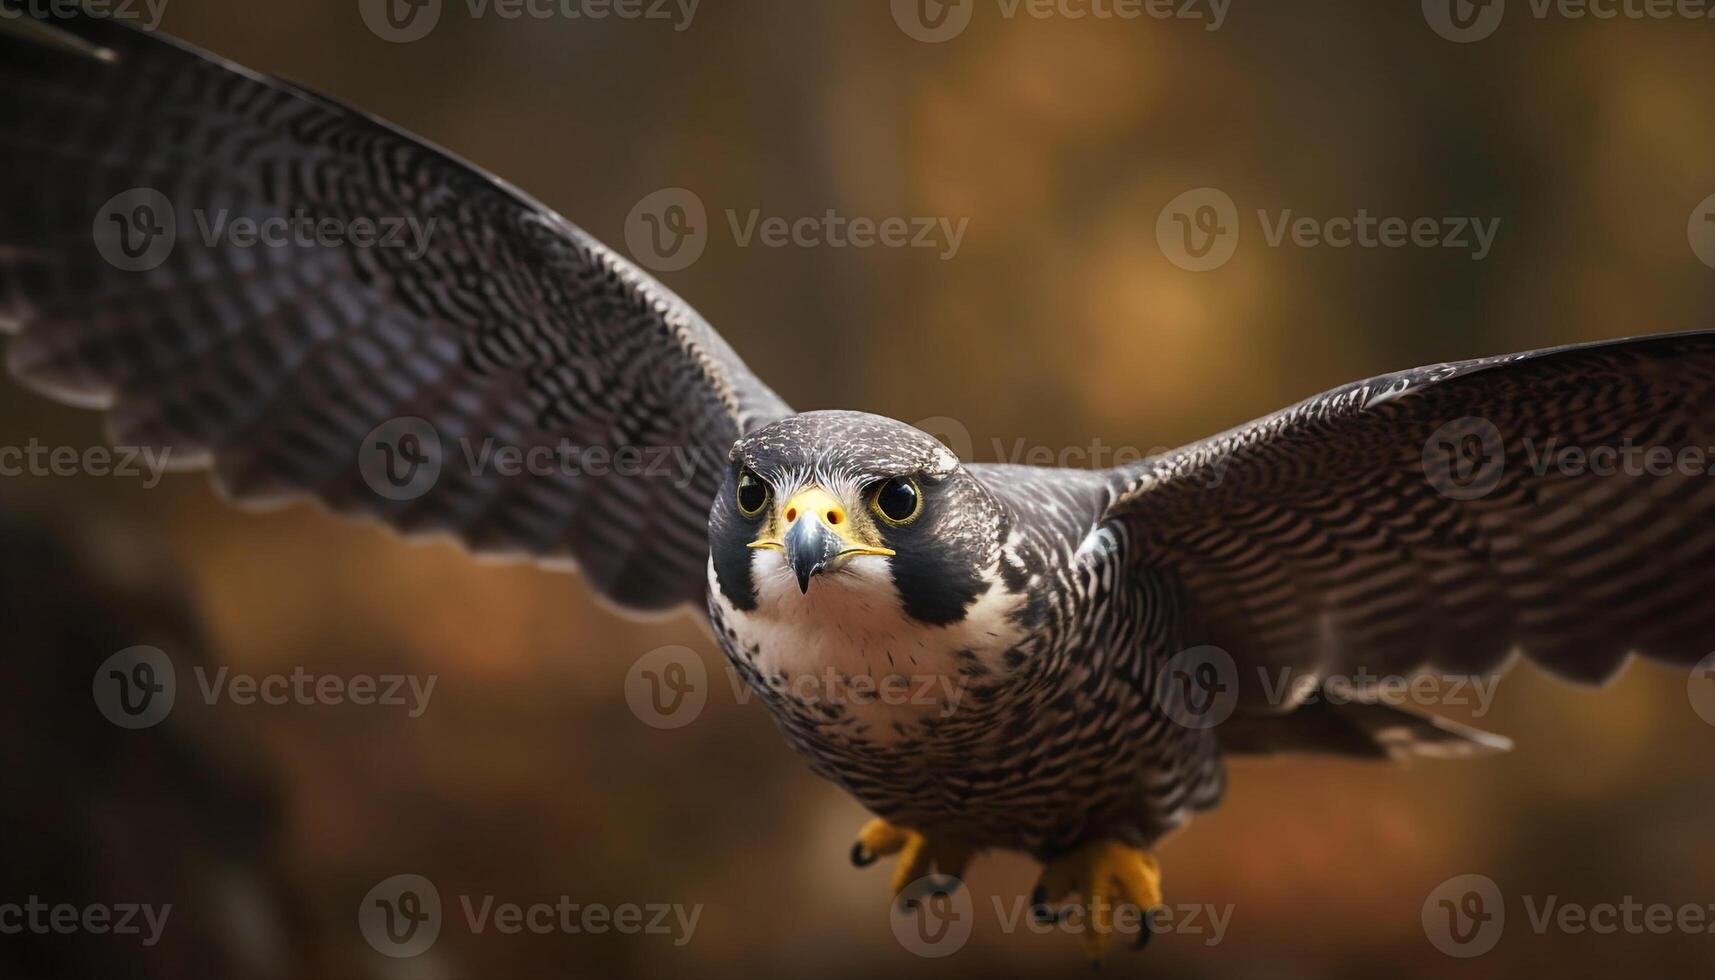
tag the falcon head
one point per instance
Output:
(852, 506)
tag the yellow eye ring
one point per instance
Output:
(751, 491)
(898, 501)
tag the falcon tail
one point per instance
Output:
(1357, 729)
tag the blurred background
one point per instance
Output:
(1059, 319)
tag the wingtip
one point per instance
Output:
(22, 23)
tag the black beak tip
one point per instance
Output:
(809, 549)
(805, 574)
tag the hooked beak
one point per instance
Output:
(810, 548)
(818, 536)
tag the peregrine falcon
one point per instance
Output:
(1425, 521)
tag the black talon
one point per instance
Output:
(860, 857)
(945, 884)
(1147, 932)
(1039, 904)
(1039, 909)
(928, 886)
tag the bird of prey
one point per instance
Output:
(1398, 525)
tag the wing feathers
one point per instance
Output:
(493, 320)
(1333, 539)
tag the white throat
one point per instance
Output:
(852, 625)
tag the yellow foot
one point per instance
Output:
(1105, 873)
(917, 854)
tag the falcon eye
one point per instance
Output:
(752, 493)
(897, 501)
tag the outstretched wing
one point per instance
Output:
(314, 303)
(1559, 502)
